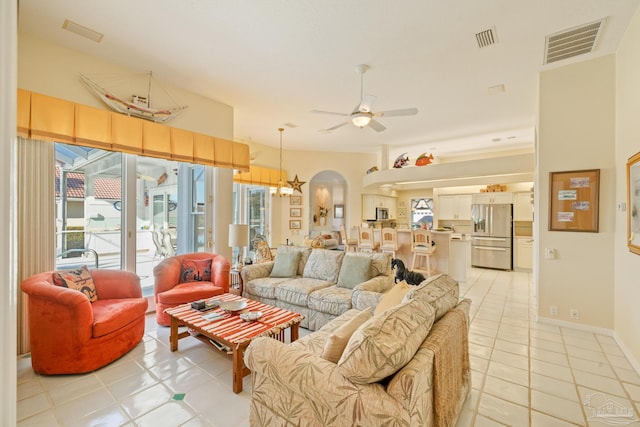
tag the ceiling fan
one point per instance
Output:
(362, 115)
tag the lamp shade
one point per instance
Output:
(238, 235)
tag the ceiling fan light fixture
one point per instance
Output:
(361, 119)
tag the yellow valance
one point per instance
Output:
(259, 175)
(52, 119)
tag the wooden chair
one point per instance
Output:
(421, 246)
(346, 241)
(389, 241)
(366, 242)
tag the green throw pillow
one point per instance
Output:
(354, 270)
(286, 264)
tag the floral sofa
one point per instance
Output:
(320, 284)
(407, 365)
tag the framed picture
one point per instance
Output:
(338, 211)
(295, 224)
(574, 200)
(295, 212)
(295, 200)
(633, 203)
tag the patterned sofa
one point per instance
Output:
(406, 366)
(322, 285)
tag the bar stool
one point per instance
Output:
(389, 241)
(366, 242)
(346, 241)
(421, 246)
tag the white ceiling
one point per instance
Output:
(275, 60)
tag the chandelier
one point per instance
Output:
(282, 190)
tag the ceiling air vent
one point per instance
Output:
(487, 37)
(82, 31)
(572, 42)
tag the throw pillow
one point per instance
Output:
(354, 270)
(337, 341)
(285, 265)
(304, 255)
(393, 297)
(195, 270)
(79, 280)
(323, 264)
(386, 342)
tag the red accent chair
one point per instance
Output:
(170, 291)
(70, 335)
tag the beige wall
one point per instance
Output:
(577, 131)
(53, 70)
(627, 265)
(306, 164)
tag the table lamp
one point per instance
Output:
(238, 238)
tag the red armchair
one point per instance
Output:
(171, 289)
(70, 335)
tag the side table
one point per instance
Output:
(235, 282)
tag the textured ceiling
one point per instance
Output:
(275, 60)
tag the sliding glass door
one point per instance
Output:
(168, 203)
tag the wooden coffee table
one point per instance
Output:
(232, 331)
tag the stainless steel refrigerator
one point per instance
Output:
(491, 238)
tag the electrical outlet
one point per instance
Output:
(549, 253)
(574, 314)
(553, 310)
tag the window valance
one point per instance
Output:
(51, 119)
(259, 175)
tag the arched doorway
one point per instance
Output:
(328, 196)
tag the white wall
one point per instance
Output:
(627, 265)
(577, 131)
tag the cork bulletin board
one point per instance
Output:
(633, 203)
(574, 200)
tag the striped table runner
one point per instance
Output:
(230, 327)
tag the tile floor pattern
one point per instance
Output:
(523, 373)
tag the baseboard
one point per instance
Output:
(632, 360)
(602, 331)
(578, 326)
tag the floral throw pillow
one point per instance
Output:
(195, 270)
(79, 280)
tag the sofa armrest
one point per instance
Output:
(256, 271)
(53, 307)
(305, 389)
(368, 294)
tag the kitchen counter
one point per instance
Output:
(450, 256)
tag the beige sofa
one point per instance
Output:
(320, 288)
(406, 366)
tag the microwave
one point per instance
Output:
(382, 214)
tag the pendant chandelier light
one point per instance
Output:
(282, 190)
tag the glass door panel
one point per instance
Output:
(88, 207)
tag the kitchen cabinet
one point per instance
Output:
(454, 207)
(522, 207)
(371, 201)
(524, 253)
(492, 198)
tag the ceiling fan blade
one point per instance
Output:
(396, 113)
(377, 126)
(366, 104)
(335, 127)
(329, 112)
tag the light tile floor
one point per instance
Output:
(523, 373)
